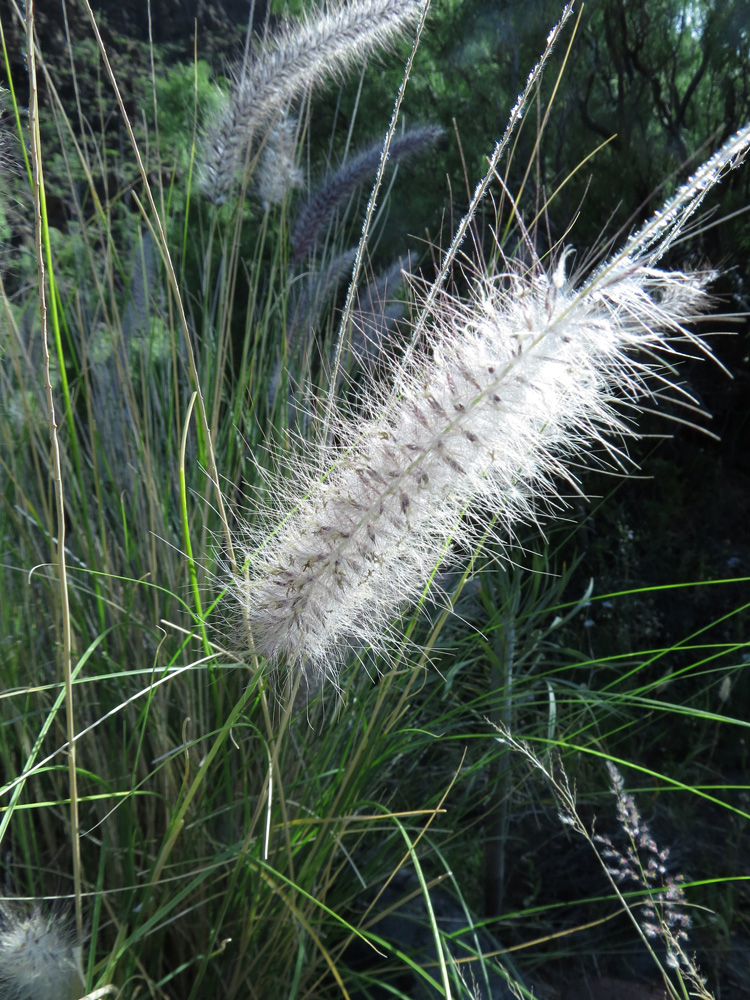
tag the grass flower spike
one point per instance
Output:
(302, 55)
(38, 959)
(663, 913)
(278, 173)
(515, 388)
(360, 168)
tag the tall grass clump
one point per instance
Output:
(243, 457)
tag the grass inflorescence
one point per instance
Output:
(294, 525)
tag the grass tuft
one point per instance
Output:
(216, 409)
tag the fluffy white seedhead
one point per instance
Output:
(300, 56)
(512, 390)
(39, 959)
(518, 382)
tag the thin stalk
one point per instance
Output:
(344, 326)
(41, 243)
(502, 677)
(177, 821)
(481, 189)
(54, 314)
(16, 111)
(414, 857)
(186, 531)
(540, 131)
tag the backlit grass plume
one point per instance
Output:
(513, 390)
(38, 957)
(301, 55)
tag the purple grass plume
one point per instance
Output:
(355, 172)
(660, 911)
(502, 399)
(302, 55)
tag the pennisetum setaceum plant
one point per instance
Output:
(230, 459)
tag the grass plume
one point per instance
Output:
(644, 864)
(38, 956)
(516, 387)
(278, 172)
(302, 55)
(360, 168)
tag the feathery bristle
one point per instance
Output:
(513, 389)
(521, 379)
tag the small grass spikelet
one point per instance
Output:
(663, 913)
(38, 956)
